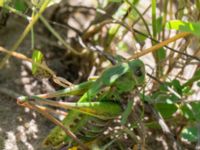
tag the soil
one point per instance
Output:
(20, 128)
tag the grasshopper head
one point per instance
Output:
(138, 70)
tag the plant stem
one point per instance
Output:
(159, 45)
(26, 31)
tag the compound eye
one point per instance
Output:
(138, 71)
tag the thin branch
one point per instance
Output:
(9, 92)
(93, 30)
(141, 16)
(174, 50)
(58, 80)
(53, 31)
(98, 49)
(25, 32)
(160, 45)
(55, 121)
(164, 127)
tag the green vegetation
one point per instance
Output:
(146, 56)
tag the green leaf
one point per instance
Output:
(166, 110)
(177, 86)
(20, 5)
(190, 134)
(161, 53)
(127, 112)
(133, 15)
(198, 84)
(159, 24)
(197, 2)
(193, 27)
(122, 46)
(1, 3)
(115, 1)
(191, 111)
(135, 2)
(163, 87)
(122, 10)
(37, 57)
(115, 28)
(186, 90)
(38, 3)
(196, 77)
(140, 38)
(153, 13)
(112, 33)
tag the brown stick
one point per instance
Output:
(56, 79)
(165, 128)
(159, 45)
(55, 121)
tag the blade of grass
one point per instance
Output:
(53, 31)
(58, 80)
(26, 31)
(55, 121)
(153, 12)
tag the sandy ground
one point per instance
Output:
(20, 128)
